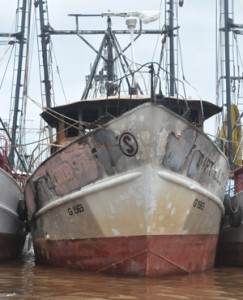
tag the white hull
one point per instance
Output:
(12, 230)
(144, 202)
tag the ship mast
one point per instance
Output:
(172, 50)
(227, 79)
(45, 40)
(171, 8)
(228, 31)
(109, 42)
(22, 42)
(17, 121)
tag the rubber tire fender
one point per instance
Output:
(22, 210)
(235, 218)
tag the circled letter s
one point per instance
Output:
(128, 144)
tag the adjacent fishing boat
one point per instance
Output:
(12, 176)
(12, 228)
(133, 185)
(230, 247)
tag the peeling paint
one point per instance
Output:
(146, 137)
(173, 211)
(169, 205)
(162, 230)
(141, 118)
(178, 148)
(115, 232)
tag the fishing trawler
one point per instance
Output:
(133, 185)
(12, 228)
(230, 246)
(13, 170)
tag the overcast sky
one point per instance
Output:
(197, 21)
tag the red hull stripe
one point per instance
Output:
(139, 255)
(11, 246)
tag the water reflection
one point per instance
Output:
(24, 280)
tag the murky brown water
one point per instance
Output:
(24, 280)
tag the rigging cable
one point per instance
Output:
(156, 45)
(58, 72)
(8, 46)
(5, 71)
(182, 69)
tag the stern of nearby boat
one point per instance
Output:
(230, 245)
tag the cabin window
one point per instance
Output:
(71, 125)
(177, 109)
(90, 115)
(194, 117)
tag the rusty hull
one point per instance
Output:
(11, 246)
(137, 255)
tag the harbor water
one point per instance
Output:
(23, 279)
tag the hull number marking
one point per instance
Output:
(199, 204)
(76, 209)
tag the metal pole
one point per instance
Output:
(227, 79)
(44, 39)
(151, 67)
(171, 39)
(21, 41)
(110, 60)
(93, 71)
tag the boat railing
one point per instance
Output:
(146, 79)
(5, 165)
